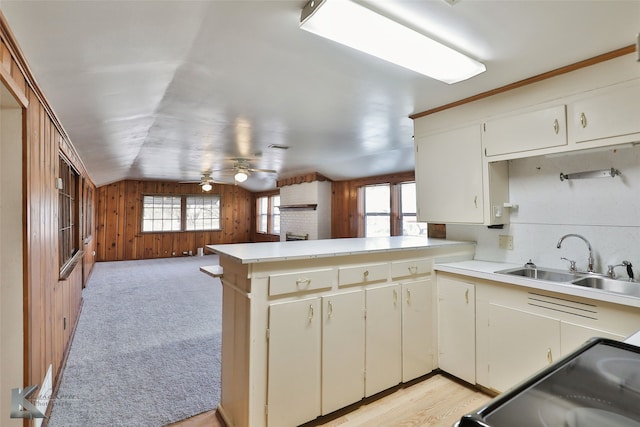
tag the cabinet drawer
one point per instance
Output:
(361, 274)
(301, 281)
(411, 268)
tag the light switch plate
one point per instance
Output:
(506, 241)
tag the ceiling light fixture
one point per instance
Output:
(207, 186)
(353, 25)
(241, 176)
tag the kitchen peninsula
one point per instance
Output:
(312, 326)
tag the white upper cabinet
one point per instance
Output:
(611, 112)
(449, 176)
(454, 184)
(533, 130)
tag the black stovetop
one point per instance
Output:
(596, 386)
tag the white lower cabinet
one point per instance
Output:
(343, 350)
(293, 393)
(417, 342)
(383, 342)
(520, 344)
(457, 328)
(573, 336)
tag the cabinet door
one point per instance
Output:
(449, 176)
(523, 132)
(457, 328)
(573, 336)
(609, 112)
(342, 350)
(383, 340)
(294, 362)
(417, 326)
(520, 344)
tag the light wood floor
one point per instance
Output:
(437, 401)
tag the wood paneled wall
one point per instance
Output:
(51, 306)
(345, 218)
(119, 223)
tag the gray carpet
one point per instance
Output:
(146, 351)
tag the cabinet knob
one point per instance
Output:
(413, 269)
(330, 309)
(310, 313)
(408, 296)
(583, 120)
(466, 296)
(475, 201)
(549, 356)
(366, 274)
(556, 126)
(395, 297)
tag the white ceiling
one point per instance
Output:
(168, 89)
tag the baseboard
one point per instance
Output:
(224, 416)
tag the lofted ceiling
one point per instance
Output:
(170, 89)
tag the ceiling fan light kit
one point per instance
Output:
(241, 176)
(354, 25)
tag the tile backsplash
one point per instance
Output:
(606, 211)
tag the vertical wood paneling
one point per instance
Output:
(120, 221)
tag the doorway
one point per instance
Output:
(12, 226)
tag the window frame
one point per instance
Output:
(271, 214)
(183, 212)
(396, 215)
(69, 195)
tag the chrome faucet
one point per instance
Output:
(590, 268)
(626, 264)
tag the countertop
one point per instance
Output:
(486, 270)
(248, 253)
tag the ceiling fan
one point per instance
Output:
(206, 182)
(241, 170)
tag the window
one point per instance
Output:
(203, 213)
(161, 213)
(408, 216)
(389, 209)
(268, 214)
(68, 227)
(377, 210)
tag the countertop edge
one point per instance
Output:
(486, 270)
(227, 250)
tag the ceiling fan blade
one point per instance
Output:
(262, 170)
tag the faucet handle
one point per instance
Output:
(628, 265)
(572, 264)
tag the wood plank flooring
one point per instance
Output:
(436, 401)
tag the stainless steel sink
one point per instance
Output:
(611, 285)
(542, 274)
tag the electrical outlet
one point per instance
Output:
(506, 241)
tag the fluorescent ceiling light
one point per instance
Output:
(360, 28)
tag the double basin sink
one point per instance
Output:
(587, 280)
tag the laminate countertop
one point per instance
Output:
(487, 270)
(249, 253)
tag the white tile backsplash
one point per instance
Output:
(606, 211)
